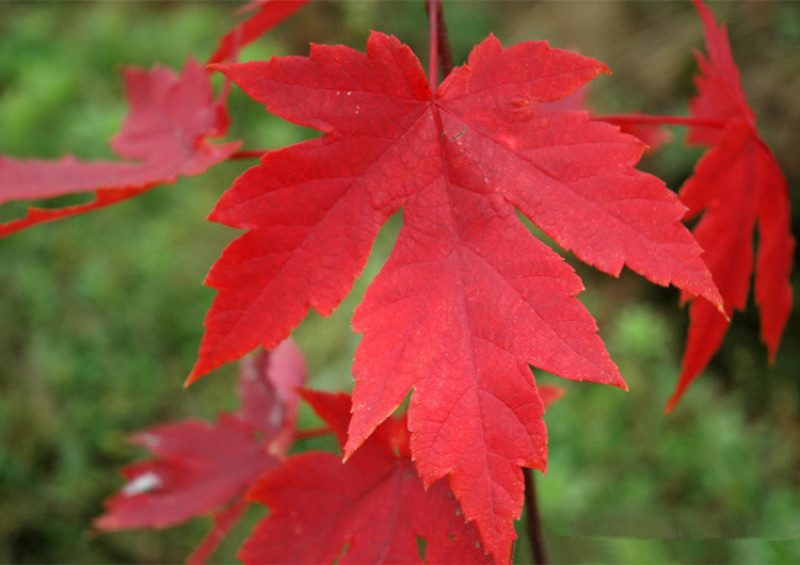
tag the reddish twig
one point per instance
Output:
(434, 6)
(440, 45)
(248, 154)
(661, 120)
(312, 432)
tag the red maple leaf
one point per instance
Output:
(268, 14)
(468, 297)
(200, 467)
(369, 510)
(163, 137)
(737, 184)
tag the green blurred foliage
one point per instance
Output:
(101, 315)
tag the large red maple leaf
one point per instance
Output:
(163, 137)
(737, 184)
(206, 468)
(468, 297)
(370, 510)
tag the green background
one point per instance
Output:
(101, 315)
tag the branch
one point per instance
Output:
(660, 120)
(534, 521)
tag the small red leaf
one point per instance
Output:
(199, 468)
(163, 137)
(369, 510)
(737, 184)
(269, 14)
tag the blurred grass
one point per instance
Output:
(101, 315)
